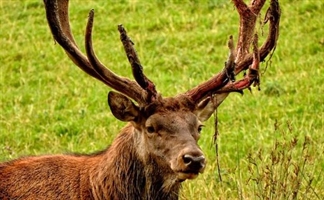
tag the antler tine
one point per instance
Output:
(128, 87)
(248, 16)
(58, 20)
(57, 17)
(240, 57)
(137, 68)
(273, 16)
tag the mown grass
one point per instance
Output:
(270, 143)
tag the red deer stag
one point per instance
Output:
(158, 148)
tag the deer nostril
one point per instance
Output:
(187, 159)
(194, 162)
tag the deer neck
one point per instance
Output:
(121, 169)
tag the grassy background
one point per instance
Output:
(271, 142)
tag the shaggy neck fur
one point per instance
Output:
(122, 174)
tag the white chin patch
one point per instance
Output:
(183, 176)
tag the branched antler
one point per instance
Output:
(241, 59)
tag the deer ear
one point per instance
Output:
(122, 107)
(207, 106)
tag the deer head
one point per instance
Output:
(168, 128)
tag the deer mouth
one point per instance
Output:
(183, 175)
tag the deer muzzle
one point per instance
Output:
(188, 165)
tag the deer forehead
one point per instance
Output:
(173, 121)
(170, 104)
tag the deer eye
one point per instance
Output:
(150, 129)
(200, 128)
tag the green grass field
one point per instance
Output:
(271, 143)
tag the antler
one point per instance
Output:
(142, 91)
(240, 59)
